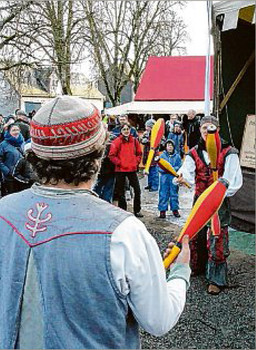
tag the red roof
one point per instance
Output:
(174, 78)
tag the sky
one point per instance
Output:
(195, 17)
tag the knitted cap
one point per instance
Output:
(177, 122)
(209, 119)
(21, 112)
(66, 127)
(169, 141)
(150, 123)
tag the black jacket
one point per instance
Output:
(193, 132)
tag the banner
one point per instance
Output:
(247, 152)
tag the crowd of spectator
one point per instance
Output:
(126, 151)
(15, 171)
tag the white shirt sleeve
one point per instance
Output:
(188, 169)
(233, 173)
(139, 273)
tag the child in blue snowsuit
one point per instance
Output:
(168, 191)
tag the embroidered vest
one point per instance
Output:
(204, 179)
(57, 290)
(203, 172)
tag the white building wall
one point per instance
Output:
(97, 102)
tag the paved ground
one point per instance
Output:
(226, 321)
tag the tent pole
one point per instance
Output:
(236, 82)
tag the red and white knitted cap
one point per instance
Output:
(66, 127)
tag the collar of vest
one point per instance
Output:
(201, 144)
(59, 192)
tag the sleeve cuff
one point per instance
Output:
(181, 271)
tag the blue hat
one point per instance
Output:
(169, 141)
(150, 123)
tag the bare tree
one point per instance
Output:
(49, 34)
(10, 15)
(122, 34)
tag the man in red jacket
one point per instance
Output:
(125, 153)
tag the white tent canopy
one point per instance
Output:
(156, 107)
(231, 11)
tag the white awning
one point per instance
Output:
(230, 10)
(157, 107)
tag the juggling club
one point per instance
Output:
(157, 133)
(213, 147)
(167, 167)
(204, 208)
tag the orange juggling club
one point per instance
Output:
(213, 147)
(204, 208)
(166, 166)
(157, 133)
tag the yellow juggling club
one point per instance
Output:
(186, 148)
(204, 208)
(213, 147)
(167, 167)
(157, 133)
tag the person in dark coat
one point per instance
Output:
(22, 171)
(193, 129)
(11, 151)
(22, 121)
(106, 178)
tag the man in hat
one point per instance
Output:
(23, 123)
(76, 271)
(209, 252)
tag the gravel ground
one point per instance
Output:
(226, 321)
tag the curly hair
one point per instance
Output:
(72, 171)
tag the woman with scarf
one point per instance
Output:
(125, 153)
(11, 151)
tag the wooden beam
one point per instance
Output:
(236, 82)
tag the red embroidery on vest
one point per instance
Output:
(204, 173)
(38, 220)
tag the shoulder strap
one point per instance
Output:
(193, 152)
(197, 152)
